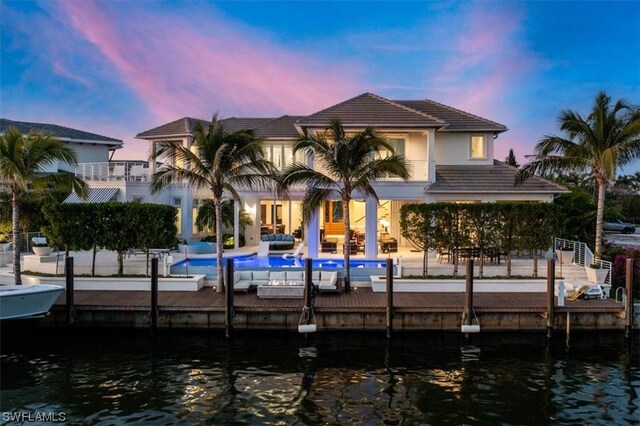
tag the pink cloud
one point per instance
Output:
(181, 67)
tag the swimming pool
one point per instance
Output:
(207, 266)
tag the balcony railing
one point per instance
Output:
(127, 171)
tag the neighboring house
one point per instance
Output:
(89, 147)
(92, 150)
(450, 155)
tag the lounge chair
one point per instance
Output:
(297, 254)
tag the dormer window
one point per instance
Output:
(478, 147)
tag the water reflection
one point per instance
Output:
(266, 378)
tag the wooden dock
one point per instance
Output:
(361, 309)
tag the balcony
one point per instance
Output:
(126, 171)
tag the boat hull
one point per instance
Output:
(27, 301)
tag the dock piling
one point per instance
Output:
(228, 323)
(68, 272)
(551, 279)
(307, 323)
(154, 295)
(629, 299)
(389, 265)
(468, 314)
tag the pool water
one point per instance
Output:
(207, 266)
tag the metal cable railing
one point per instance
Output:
(583, 256)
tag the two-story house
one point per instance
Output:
(449, 151)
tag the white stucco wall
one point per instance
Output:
(454, 149)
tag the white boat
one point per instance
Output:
(27, 301)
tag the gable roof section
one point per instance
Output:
(457, 120)
(182, 127)
(60, 132)
(497, 178)
(282, 127)
(371, 110)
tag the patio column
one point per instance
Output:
(236, 224)
(431, 155)
(186, 230)
(371, 228)
(312, 235)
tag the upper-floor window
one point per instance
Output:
(478, 147)
(398, 147)
(281, 155)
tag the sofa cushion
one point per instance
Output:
(261, 275)
(288, 238)
(236, 277)
(278, 237)
(264, 237)
(295, 276)
(330, 278)
(315, 276)
(277, 275)
(242, 285)
(245, 275)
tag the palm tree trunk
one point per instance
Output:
(347, 243)
(425, 263)
(93, 261)
(599, 217)
(16, 239)
(220, 280)
(535, 263)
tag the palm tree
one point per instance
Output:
(206, 216)
(22, 160)
(349, 163)
(608, 139)
(218, 160)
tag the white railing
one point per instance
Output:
(127, 171)
(583, 255)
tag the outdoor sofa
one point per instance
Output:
(279, 241)
(326, 281)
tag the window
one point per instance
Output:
(398, 145)
(177, 201)
(478, 147)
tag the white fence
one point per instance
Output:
(127, 171)
(583, 255)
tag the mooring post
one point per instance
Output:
(68, 272)
(389, 298)
(468, 294)
(308, 283)
(551, 278)
(629, 300)
(229, 300)
(154, 295)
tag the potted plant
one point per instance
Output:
(565, 255)
(596, 274)
(41, 248)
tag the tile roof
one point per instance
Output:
(372, 110)
(233, 124)
(58, 131)
(282, 127)
(181, 127)
(456, 119)
(494, 178)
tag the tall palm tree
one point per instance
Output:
(350, 164)
(218, 160)
(606, 140)
(22, 160)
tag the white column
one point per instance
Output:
(312, 235)
(152, 161)
(371, 228)
(187, 214)
(431, 155)
(236, 224)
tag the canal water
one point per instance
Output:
(119, 376)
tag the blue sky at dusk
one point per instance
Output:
(121, 67)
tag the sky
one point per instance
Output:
(118, 68)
